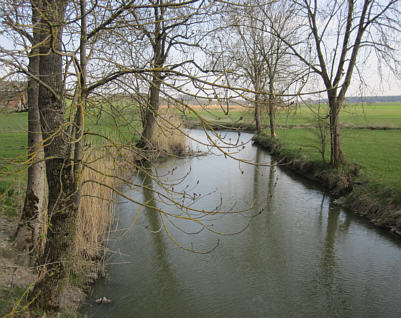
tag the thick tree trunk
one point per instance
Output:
(62, 211)
(57, 258)
(336, 157)
(30, 227)
(151, 113)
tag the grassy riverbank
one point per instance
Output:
(371, 141)
(377, 199)
(377, 152)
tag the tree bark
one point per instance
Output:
(336, 156)
(157, 38)
(30, 227)
(257, 114)
(62, 211)
(272, 117)
(79, 118)
(151, 112)
(272, 106)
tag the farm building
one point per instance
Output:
(13, 96)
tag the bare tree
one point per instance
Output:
(335, 33)
(61, 208)
(32, 217)
(246, 54)
(63, 138)
(281, 69)
(254, 56)
(166, 27)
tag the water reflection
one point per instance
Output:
(167, 281)
(333, 287)
(257, 168)
(301, 257)
(272, 178)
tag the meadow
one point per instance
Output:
(377, 152)
(377, 115)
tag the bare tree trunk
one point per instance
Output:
(272, 109)
(30, 227)
(151, 113)
(336, 157)
(79, 118)
(272, 119)
(158, 38)
(62, 211)
(257, 114)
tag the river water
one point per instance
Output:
(295, 253)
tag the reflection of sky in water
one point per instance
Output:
(301, 257)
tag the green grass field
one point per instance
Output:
(119, 124)
(354, 115)
(378, 152)
(13, 137)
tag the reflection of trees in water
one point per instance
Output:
(329, 242)
(174, 209)
(166, 276)
(272, 179)
(333, 286)
(149, 200)
(256, 175)
(258, 183)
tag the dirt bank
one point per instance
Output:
(345, 184)
(16, 277)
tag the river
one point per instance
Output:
(294, 254)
